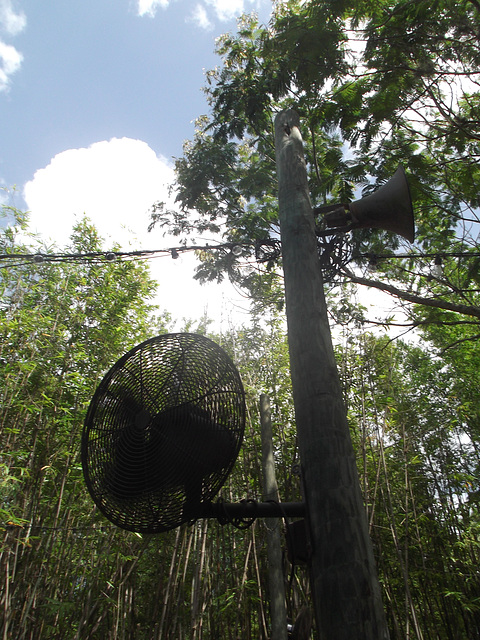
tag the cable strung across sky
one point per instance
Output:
(265, 250)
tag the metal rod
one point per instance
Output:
(252, 509)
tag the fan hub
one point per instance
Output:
(142, 419)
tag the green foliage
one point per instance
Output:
(66, 570)
(69, 573)
(417, 459)
(376, 84)
(61, 326)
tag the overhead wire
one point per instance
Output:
(40, 257)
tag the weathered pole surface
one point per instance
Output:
(276, 584)
(346, 591)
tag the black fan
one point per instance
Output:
(162, 432)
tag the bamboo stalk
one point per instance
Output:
(274, 549)
(169, 584)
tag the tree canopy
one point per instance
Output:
(376, 84)
(68, 572)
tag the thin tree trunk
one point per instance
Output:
(195, 609)
(276, 579)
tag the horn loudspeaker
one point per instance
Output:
(388, 208)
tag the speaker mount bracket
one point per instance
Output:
(334, 254)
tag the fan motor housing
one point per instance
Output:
(162, 432)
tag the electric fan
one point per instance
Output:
(162, 432)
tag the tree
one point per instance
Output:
(62, 325)
(67, 572)
(382, 80)
(416, 461)
(377, 84)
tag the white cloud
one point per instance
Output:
(223, 10)
(10, 21)
(115, 183)
(10, 62)
(3, 197)
(149, 7)
(227, 9)
(200, 18)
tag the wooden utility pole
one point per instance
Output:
(346, 591)
(276, 583)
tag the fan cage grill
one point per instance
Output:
(163, 431)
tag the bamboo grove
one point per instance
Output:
(67, 572)
(376, 84)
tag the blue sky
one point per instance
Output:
(96, 98)
(97, 69)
